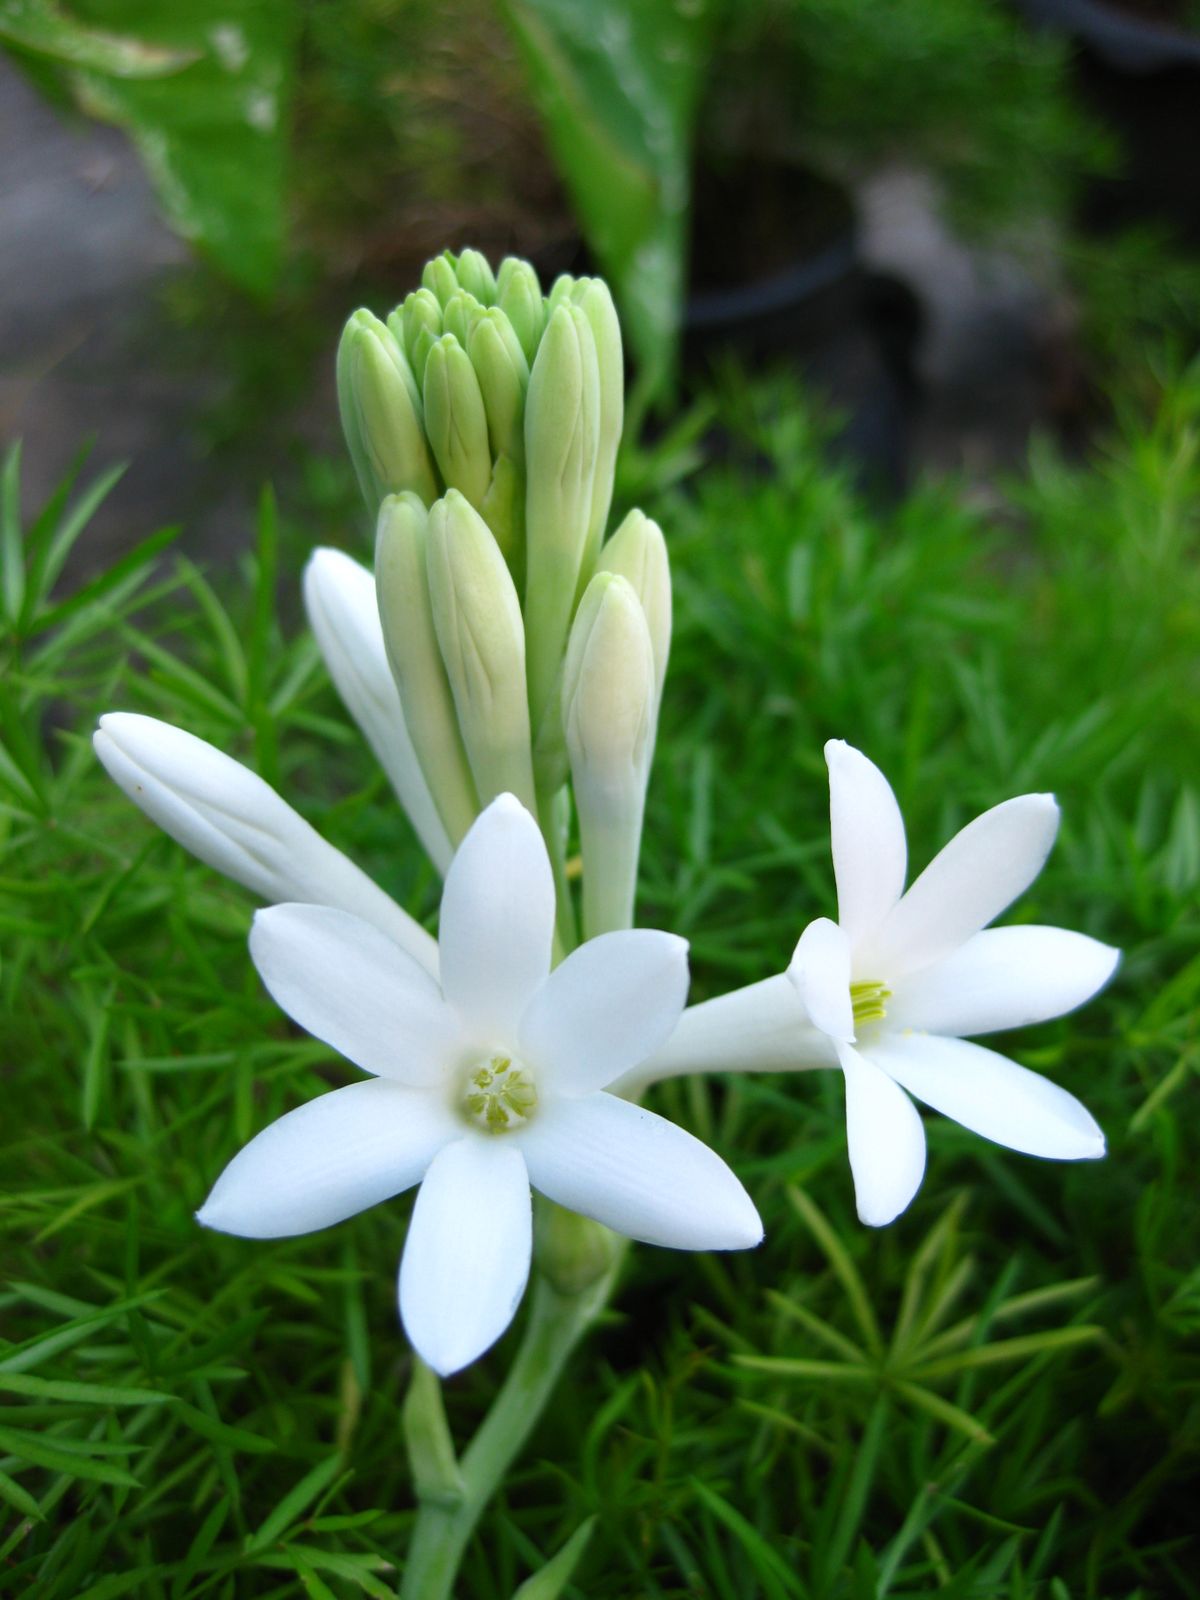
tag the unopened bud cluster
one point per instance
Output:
(483, 419)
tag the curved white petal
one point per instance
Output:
(226, 815)
(967, 884)
(328, 1160)
(638, 1174)
(339, 596)
(886, 1140)
(820, 969)
(761, 1028)
(991, 1095)
(1003, 978)
(351, 987)
(867, 831)
(466, 1260)
(497, 920)
(612, 1002)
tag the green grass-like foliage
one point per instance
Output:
(996, 1396)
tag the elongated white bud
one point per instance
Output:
(562, 414)
(608, 722)
(339, 596)
(474, 274)
(638, 552)
(234, 821)
(405, 612)
(592, 297)
(440, 278)
(503, 374)
(477, 617)
(417, 325)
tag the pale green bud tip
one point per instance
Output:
(401, 514)
(608, 677)
(475, 275)
(638, 552)
(519, 296)
(558, 385)
(440, 277)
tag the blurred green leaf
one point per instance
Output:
(213, 135)
(617, 83)
(45, 29)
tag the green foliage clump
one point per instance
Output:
(996, 1396)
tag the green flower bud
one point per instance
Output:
(462, 312)
(475, 275)
(608, 721)
(406, 613)
(573, 1252)
(519, 296)
(503, 374)
(381, 413)
(440, 277)
(504, 512)
(455, 420)
(593, 299)
(477, 616)
(561, 293)
(638, 552)
(562, 413)
(420, 324)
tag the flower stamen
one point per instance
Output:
(499, 1095)
(867, 998)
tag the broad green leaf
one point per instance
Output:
(617, 84)
(213, 135)
(44, 29)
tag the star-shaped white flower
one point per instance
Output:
(898, 980)
(483, 1083)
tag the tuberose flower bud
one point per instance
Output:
(562, 412)
(420, 324)
(477, 617)
(475, 275)
(406, 615)
(519, 296)
(503, 374)
(592, 297)
(234, 821)
(462, 312)
(339, 597)
(440, 277)
(455, 420)
(608, 694)
(638, 552)
(381, 413)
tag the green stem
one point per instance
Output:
(444, 1525)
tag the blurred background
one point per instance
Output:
(962, 221)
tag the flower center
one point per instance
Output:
(499, 1094)
(867, 1000)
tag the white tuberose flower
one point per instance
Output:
(483, 1084)
(900, 977)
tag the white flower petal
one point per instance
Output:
(339, 596)
(637, 1173)
(761, 1028)
(466, 1260)
(226, 815)
(970, 882)
(869, 851)
(991, 1095)
(328, 1160)
(1002, 978)
(820, 969)
(612, 1002)
(886, 1140)
(497, 920)
(351, 987)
